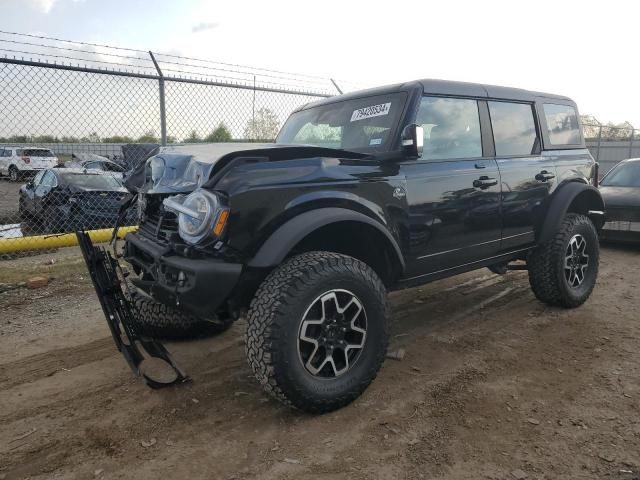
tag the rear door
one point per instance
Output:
(453, 191)
(527, 177)
(564, 142)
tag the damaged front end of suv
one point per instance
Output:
(194, 253)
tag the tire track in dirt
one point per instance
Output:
(48, 363)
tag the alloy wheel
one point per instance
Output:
(332, 334)
(576, 261)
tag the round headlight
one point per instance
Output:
(198, 224)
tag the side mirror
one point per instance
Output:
(29, 185)
(412, 140)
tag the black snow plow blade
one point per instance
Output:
(106, 275)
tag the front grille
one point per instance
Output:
(160, 227)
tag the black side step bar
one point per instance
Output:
(106, 275)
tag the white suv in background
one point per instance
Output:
(18, 162)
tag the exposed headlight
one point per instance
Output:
(201, 218)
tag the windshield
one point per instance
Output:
(363, 124)
(97, 182)
(624, 175)
(37, 153)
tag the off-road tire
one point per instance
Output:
(546, 264)
(157, 320)
(274, 320)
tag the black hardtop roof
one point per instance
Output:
(448, 87)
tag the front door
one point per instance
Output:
(42, 190)
(453, 191)
(30, 191)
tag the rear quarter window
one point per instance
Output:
(562, 124)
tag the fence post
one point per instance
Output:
(163, 115)
(253, 110)
(336, 85)
(599, 142)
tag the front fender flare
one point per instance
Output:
(585, 198)
(275, 249)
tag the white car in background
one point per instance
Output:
(19, 162)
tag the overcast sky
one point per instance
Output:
(584, 49)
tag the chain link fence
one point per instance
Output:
(76, 117)
(611, 144)
(68, 131)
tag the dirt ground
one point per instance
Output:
(9, 200)
(494, 385)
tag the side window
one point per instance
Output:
(49, 179)
(514, 129)
(109, 167)
(451, 128)
(38, 178)
(562, 124)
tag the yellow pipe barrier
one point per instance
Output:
(42, 242)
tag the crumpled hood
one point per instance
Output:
(187, 167)
(80, 189)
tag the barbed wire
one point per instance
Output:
(40, 45)
(42, 37)
(252, 70)
(77, 59)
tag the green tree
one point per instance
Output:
(91, 138)
(148, 137)
(193, 137)
(264, 126)
(118, 139)
(44, 139)
(220, 134)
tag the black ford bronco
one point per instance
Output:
(360, 194)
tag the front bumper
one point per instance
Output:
(198, 286)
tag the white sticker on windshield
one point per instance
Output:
(372, 111)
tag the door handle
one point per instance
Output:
(485, 182)
(543, 176)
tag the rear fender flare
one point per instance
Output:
(275, 249)
(585, 199)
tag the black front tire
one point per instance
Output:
(53, 221)
(275, 324)
(22, 210)
(549, 276)
(157, 320)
